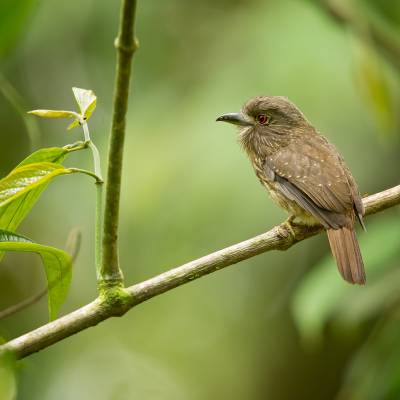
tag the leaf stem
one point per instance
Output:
(86, 172)
(96, 159)
(85, 130)
(99, 199)
(98, 229)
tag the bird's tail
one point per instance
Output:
(345, 249)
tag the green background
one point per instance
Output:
(282, 325)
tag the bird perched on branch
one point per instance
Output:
(304, 174)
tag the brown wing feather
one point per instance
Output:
(315, 168)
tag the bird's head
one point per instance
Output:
(269, 119)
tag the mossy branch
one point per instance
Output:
(121, 300)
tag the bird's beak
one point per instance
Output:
(235, 118)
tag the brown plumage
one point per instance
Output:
(304, 174)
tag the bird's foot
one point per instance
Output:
(289, 226)
(287, 233)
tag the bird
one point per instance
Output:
(304, 174)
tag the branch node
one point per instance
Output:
(128, 49)
(116, 300)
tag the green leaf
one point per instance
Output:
(73, 124)
(86, 100)
(48, 154)
(12, 214)
(54, 114)
(20, 190)
(57, 264)
(323, 296)
(58, 114)
(8, 384)
(23, 179)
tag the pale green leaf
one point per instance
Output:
(73, 124)
(20, 190)
(86, 100)
(48, 154)
(23, 179)
(12, 214)
(54, 114)
(57, 264)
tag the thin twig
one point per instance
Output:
(18, 307)
(278, 238)
(126, 44)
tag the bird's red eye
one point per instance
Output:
(263, 119)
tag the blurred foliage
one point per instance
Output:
(8, 385)
(320, 298)
(189, 190)
(13, 20)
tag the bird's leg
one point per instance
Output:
(288, 224)
(290, 219)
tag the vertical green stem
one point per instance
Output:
(98, 228)
(96, 159)
(126, 44)
(99, 200)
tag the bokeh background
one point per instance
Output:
(282, 325)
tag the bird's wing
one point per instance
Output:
(312, 173)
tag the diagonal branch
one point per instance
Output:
(278, 238)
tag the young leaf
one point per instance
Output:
(54, 113)
(23, 179)
(73, 124)
(86, 100)
(57, 264)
